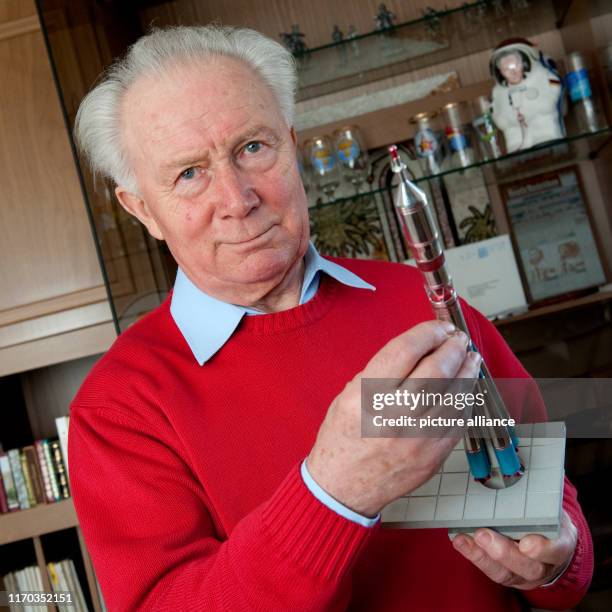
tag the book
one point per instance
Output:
(22, 493)
(27, 479)
(21, 577)
(52, 475)
(3, 500)
(53, 577)
(75, 585)
(60, 469)
(61, 424)
(35, 473)
(65, 587)
(10, 585)
(44, 470)
(9, 483)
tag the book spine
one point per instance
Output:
(51, 470)
(60, 469)
(53, 577)
(3, 500)
(9, 483)
(22, 493)
(80, 598)
(27, 478)
(64, 586)
(35, 473)
(62, 424)
(11, 586)
(42, 462)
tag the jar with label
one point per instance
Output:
(584, 102)
(352, 155)
(427, 143)
(323, 163)
(489, 138)
(458, 136)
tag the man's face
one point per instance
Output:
(216, 167)
(511, 67)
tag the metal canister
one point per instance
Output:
(581, 94)
(427, 143)
(457, 135)
(488, 136)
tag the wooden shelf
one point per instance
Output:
(44, 518)
(594, 298)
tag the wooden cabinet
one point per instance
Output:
(52, 284)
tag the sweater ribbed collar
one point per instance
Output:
(207, 323)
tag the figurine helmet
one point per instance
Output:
(524, 49)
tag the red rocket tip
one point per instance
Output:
(393, 152)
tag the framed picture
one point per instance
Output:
(552, 233)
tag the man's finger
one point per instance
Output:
(445, 361)
(554, 552)
(401, 354)
(506, 551)
(477, 555)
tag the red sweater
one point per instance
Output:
(186, 478)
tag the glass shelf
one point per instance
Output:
(506, 168)
(418, 43)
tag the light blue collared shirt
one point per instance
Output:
(208, 323)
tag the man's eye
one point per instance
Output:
(188, 174)
(253, 147)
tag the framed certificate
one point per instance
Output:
(552, 233)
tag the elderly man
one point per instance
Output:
(215, 450)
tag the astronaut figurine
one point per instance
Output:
(527, 98)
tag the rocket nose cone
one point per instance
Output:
(407, 193)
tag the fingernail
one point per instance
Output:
(462, 336)
(483, 538)
(475, 357)
(448, 327)
(460, 544)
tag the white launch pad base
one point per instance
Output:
(452, 499)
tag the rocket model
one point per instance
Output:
(491, 450)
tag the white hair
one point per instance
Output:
(97, 124)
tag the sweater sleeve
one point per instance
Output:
(571, 587)
(149, 528)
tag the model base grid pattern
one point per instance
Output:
(452, 499)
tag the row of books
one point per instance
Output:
(63, 579)
(35, 474)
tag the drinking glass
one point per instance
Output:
(323, 163)
(353, 155)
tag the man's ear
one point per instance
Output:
(294, 137)
(137, 207)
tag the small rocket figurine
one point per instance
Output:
(491, 450)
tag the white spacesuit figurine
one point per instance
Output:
(528, 95)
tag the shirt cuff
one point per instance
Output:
(327, 500)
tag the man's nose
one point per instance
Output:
(234, 190)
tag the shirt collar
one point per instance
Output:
(208, 323)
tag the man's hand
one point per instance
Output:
(366, 474)
(527, 564)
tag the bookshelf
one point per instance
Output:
(42, 519)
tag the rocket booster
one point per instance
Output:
(491, 451)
